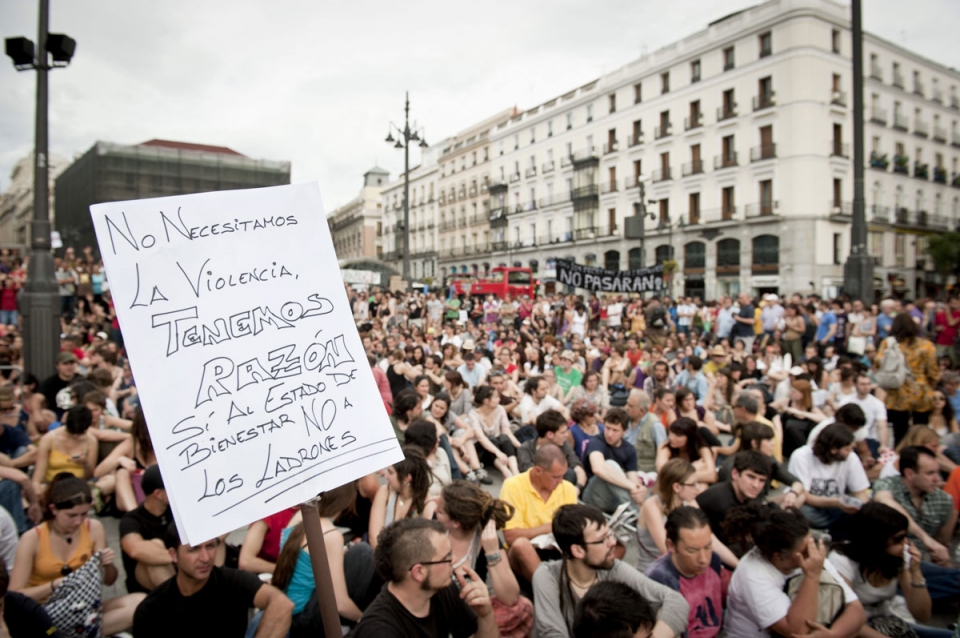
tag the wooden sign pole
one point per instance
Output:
(321, 568)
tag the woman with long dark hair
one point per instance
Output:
(913, 400)
(684, 442)
(876, 561)
(405, 493)
(351, 571)
(129, 459)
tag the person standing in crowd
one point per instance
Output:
(744, 318)
(587, 546)
(913, 400)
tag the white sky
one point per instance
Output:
(316, 83)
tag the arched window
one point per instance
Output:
(486, 268)
(534, 265)
(728, 256)
(611, 260)
(766, 254)
(662, 254)
(694, 256)
(518, 264)
(475, 268)
(635, 257)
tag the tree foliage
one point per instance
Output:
(945, 251)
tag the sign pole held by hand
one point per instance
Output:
(321, 568)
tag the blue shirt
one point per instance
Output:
(828, 319)
(884, 323)
(625, 454)
(954, 401)
(697, 383)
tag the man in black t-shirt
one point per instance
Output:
(743, 329)
(145, 559)
(415, 558)
(750, 473)
(203, 600)
(46, 394)
(22, 617)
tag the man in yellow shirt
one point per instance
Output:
(536, 495)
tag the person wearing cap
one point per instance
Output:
(718, 359)
(145, 559)
(568, 377)
(47, 391)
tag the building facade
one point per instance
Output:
(111, 172)
(464, 202)
(357, 226)
(738, 140)
(423, 218)
(16, 203)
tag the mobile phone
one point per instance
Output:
(906, 555)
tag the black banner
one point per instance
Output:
(603, 280)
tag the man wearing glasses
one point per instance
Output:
(587, 546)
(421, 597)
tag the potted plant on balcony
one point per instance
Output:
(878, 160)
(901, 164)
(921, 170)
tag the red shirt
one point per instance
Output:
(634, 357)
(946, 336)
(8, 299)
(270, 550)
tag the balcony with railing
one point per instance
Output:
(838, 98)
(635, 140)
(462, 193)
(728, 160)
(839, 149)
(876, 73)
(939, 134)
(921, 128)
(955, 182)
(763, 152)
(476, 220)
(608, 187)
(472, 192)
(514, 177)
(918, 87)
(662, 174)
(692, 168)
(548, 166)
(921, 171)
(880, 214)
(442, 199)
(878, 115)
(900, 122)
(901, 164)
(728, 213)
(631, 182)
(660, 132)
(955, 138)
(583, 192)
(937, 95)
(462, 222)
(879, 161)
(897, 79)
(761, 209)
(585, 154)
(939, 175)
(530, 172)
(955, 102)
(764, 101)
(726, 112)
(840, 208)
(611, 147)
(693, 122)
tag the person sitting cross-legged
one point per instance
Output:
(535, 496)
(145, 558)
(828, 471)
(587, 546)
(611, 465)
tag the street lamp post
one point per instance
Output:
(858, 271)
(40, 301)
(404, 137)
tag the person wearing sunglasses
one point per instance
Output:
(421, 598)
(587, 547)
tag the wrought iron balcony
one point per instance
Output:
(838, 98)
(900, 122)
(662, 131)
(839, 149)
(662, 174)
(692, 122)
(725, 161)
(764, 101)
(879, 161)
(878, 115)
(762, 209)
(692, 168)
(727, 112)
(763, 152)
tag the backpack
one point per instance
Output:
(893, 370)
(830, 602)
(658, 317)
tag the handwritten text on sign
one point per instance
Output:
(251, 374)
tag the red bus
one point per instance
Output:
(500, 282)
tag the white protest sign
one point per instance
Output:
(252, 377)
